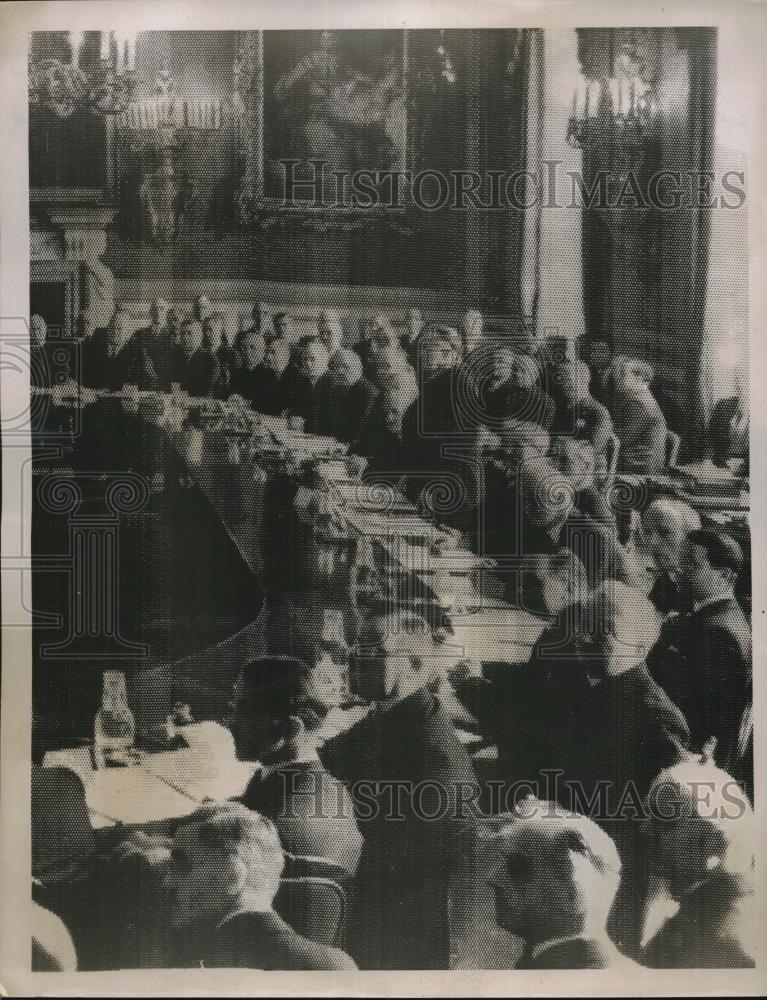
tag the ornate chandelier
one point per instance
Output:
(65, 87)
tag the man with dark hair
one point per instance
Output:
(703, 657)
(249, 379)
(108, 357)
(413, 779)
(154, 348)
(224, 872)
(195, 369)
(354, 397)
(282, 325)
(278, 710)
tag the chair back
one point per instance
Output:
(313, 906)
(611, 452)
(673, 442)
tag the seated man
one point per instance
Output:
(666, 523)
(330, 330)
(703, 657)
(619, 729)
(214, 339)
(404, 763)
(108, 358)
(224, 872)
(521, 396)
(701, 836)
(279, 377)
(500, 384)
(353, 399)
(278, 709)
(639, 422)
(313, 391)
(282, 326)
(555, 880)
(378, 337)
(578, 414)
(551, 521)
(197, 371)
(249, 379)
(576, 459)
(155, 343)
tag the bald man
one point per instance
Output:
(706, 857)
(555, 876)
(107, 357)
(666, 523)
(353, 398)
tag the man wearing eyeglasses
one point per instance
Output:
(555, 878)
(413, 786)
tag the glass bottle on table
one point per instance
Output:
(115, 726)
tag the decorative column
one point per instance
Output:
(560, 299)
(85, 240)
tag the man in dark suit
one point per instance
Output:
(154, 345)
(249, 379)
(108, 357)
(666, 523)
(225, 870)
(633, 729)
(728, 428)
(703, 657)
(278, 709)
(313, 390)
(412, 783)
(353, 399)
(195, 369)
(555, 878)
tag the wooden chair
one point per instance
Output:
(673, 442)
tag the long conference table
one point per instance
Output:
(298, 501)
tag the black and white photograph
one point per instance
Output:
(377, 511)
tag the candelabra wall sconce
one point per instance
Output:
(614, 112)
(158, 128)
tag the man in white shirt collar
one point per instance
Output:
(711, 563)
(555, 879)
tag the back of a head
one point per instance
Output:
(285, 687)
(233, 829)
(666, 509)
(696, 792)
(569, 848)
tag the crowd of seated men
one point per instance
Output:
(638, 689)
